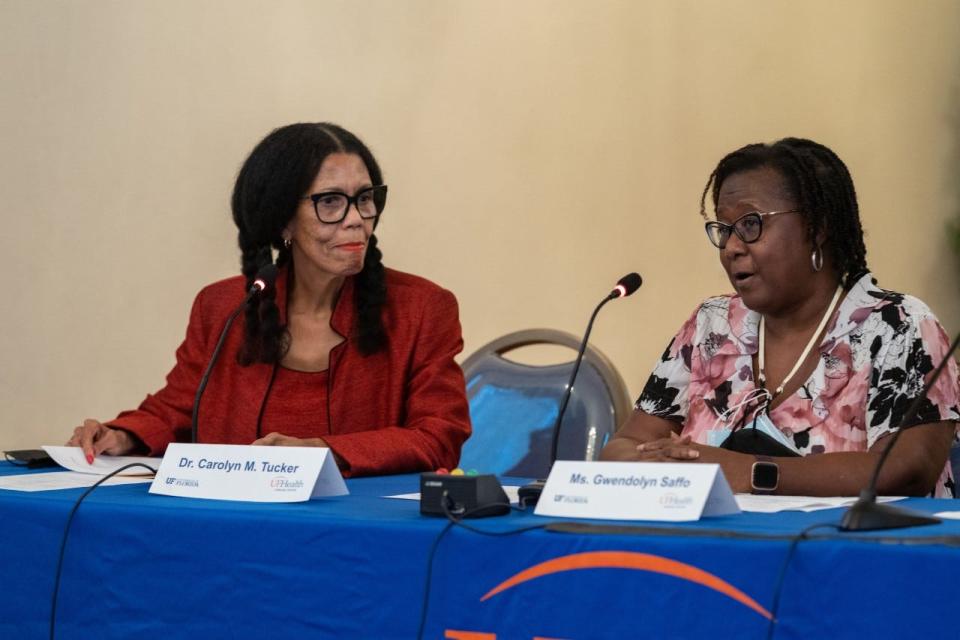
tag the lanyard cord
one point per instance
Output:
(806, 351)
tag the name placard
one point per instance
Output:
(248, 473)
(664, 491)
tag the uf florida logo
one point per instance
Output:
(614, 560)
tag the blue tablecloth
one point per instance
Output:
(356, 567)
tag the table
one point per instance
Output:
(140, 565)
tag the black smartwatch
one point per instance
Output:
(764, 475)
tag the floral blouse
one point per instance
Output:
(873, 360)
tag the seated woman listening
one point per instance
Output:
(341, 353)
(809, 366)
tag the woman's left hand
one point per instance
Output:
(736, 466)
(275, 439)
(673, 448)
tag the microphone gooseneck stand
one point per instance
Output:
(627, 285)
(265, 279)
(866, 514)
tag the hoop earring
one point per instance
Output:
(816, 259)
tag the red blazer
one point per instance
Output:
(400, 410)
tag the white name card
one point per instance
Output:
(636, 491)
(248, 473)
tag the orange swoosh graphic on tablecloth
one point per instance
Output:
(629, 560)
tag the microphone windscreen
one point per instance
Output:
(266, 277)
(628, 284)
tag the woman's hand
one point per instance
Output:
(646, 438)
(673, 448)
(95, 438)
(639, 429)
(275, 439)
(680, 449)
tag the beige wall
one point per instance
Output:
(535, 152)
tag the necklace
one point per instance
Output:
(803, 356)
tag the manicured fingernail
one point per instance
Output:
(694, 454)
(89, 458)
(641, 447)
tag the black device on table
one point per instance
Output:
(469, 496)
(32, 458)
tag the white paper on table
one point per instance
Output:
(948, 515)
(72, 458)
(511, 492)
(54, 480)
(775, 504)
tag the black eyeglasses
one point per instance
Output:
(331, 206)
(747, 227)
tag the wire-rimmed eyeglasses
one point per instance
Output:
(331, 206)
(747, 227)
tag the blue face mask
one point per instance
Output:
(728, 420)
(761, 422)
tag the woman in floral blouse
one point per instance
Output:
(808, 350)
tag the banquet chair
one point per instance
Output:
(513, 406)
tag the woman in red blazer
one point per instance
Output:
(341, 353)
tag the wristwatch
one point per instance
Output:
(764, 475)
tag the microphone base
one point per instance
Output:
(868, 515)
(462, 496)
(529, 494)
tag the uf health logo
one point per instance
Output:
(614, 560)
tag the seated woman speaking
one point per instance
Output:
(341, 353)
(809, 367)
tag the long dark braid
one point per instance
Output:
(271, 182)
(821, 185)
(370, 296)
(265, 340)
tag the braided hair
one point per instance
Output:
(279, 170)
(820, 184)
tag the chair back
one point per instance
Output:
(514, 406)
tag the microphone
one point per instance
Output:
(627, 285)
(264, 280)
(866, 514)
